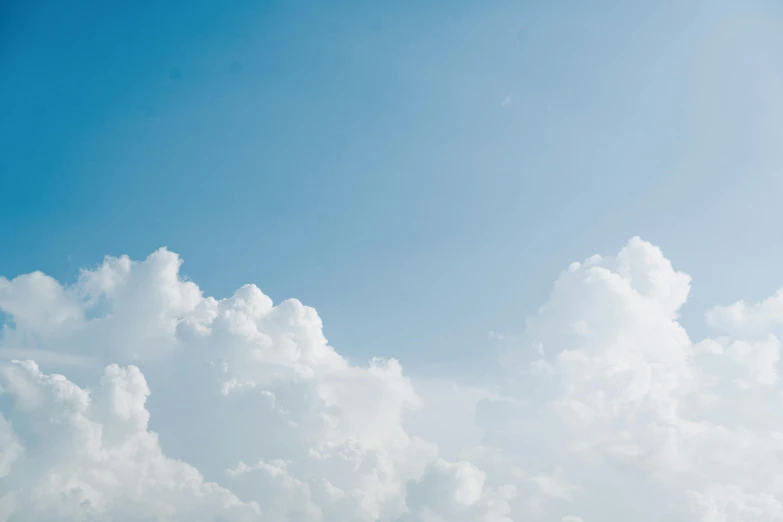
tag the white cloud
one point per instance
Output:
(721, 503)
(456, 492)
(38, 303)
(239, 409)
(749, 320)
(89, 456)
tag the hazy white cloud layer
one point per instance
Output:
(130, 396)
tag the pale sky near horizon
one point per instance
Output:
(421, 175)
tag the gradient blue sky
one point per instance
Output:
(418, 172)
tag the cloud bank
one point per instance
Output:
(131, 396)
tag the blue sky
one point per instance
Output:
(425, 175)
(418, 173)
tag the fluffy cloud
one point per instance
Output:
(249, 393)
(89, 456)
(456, 492)
(624, 398)
(722, 503)
(239, 409)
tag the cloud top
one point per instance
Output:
(239, 409)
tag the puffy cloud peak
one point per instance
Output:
(604, 407)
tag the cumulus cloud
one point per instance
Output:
(722, 503)
(212, 409)
(87, 455)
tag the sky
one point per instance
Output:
(315, 260)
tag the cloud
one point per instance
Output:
(722, 503)
(749, 319)
(506, 101)
(89, 456)
(38, 303)
(44, 356)
(239, 409)
(456, 492)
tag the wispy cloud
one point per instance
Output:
(49, 357)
